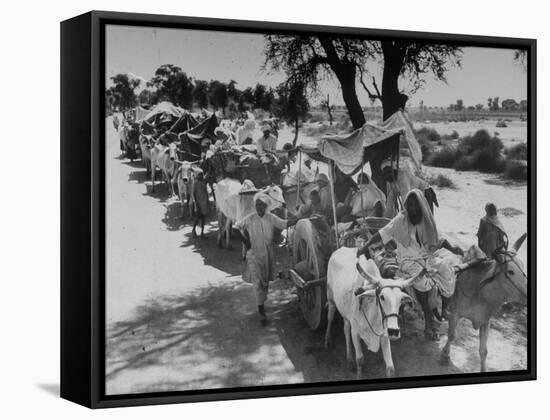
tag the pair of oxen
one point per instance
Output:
(370, 305)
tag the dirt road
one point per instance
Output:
(179, 316)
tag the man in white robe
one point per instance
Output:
(267, 142)
(256, 232)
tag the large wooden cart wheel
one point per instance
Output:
(311, 264)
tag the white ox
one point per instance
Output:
(185, 179)
(368, 304)
(232, 206)
(145, 145)
(165, 158)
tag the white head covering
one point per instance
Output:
(248, 187)
(427, 228)
(263, 197)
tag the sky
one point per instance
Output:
(225, 56)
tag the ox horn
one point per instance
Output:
(372, 279)
(519, 242)
(403, 283)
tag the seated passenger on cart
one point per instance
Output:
(414, 233)
(325, 195)
(312, 208)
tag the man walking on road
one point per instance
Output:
(256, 232)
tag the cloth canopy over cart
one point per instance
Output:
(163, 112)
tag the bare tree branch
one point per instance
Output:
(372, 96)
(376, 87)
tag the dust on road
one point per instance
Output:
(179, 316)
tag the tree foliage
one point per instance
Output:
(307, 60)
(412, 62)
(122, 94)
(172, 84)
(200, 93)
(146, 97)
(520, 57)
(246, 99)
(263, 97)
(291, 104)
(217, 92)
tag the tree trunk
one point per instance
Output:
(345, 71)
(347, 82)
(392, 99)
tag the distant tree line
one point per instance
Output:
(170, 83)
(493, 104)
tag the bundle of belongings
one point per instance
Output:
(229, 160)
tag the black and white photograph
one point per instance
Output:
(293, 208)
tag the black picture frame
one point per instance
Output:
(83, 211)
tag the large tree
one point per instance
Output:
(310, 59)
(411, 62)
(245, 99)
(173, 84)
(217, 92)
(307, 60)
(146, 97)
(200, 93)
(232, 92)
(263, 97)
(122, 94)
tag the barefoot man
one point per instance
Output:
(256, 232)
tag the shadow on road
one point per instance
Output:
(139, 176)
(412, 354)
(211, 338)
(228, 261)
(160, 193)
(134, 164)
(172, 217)
(207, 339)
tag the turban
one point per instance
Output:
(263, 197)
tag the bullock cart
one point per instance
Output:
(314, 240)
